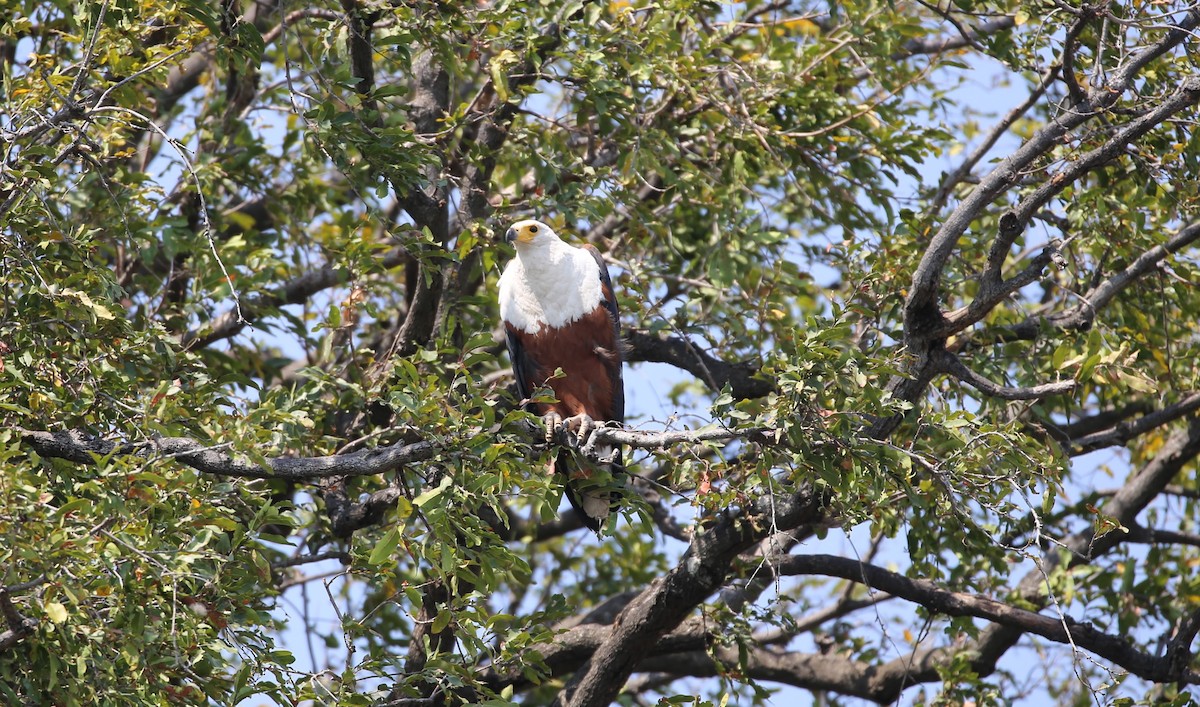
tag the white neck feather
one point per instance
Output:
(548, 284)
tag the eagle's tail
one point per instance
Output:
(592, 488)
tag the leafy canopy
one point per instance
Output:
(907, 265)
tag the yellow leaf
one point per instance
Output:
(57, 612)
(803, 26)
(100, 310)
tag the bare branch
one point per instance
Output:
(952, 365)
(1117, 649)
(1125, 431)
(923, 321)
(992, 290)
(811, 671)
(1100, 421)
(80, 448)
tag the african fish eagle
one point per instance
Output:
(559, 312)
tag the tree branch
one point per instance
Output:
(992, 289)
(80, 448)
(1153, 536)
(664, 604)
(949, 363)
(923, 321)
(1124, 431)
(18, 626)
(1116, 649)
(1082, 315)
(296, 291)
(818, 672)
(683, 354)
(940, 45)
(1083, 547)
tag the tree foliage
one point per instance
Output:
(924, 274)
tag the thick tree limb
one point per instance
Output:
(671, 597)
(811, 671)
(428, 209)
(1154, 536)
(960, 173)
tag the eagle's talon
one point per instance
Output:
(554, 423)
(581, 425)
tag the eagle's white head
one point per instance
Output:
(530, 232)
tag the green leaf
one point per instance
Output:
(429, 495)
(385, 550)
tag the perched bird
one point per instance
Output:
(559, 312)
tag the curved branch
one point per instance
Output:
(955, 177)
(1154, 536)
(1082, 315)
(992, 289)
(1123, 507)
(1125, 431)
(742, 377)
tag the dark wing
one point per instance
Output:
(609, 302)
(524, 367)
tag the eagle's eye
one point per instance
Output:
(533, 229)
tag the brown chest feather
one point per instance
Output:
(590, 358)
